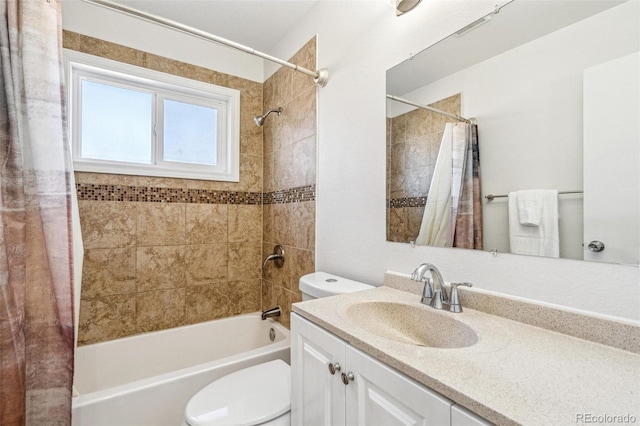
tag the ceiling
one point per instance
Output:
(259, 24)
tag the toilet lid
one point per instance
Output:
(250, 396)
(322, 284)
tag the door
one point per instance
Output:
(611, 150)
(380, 396)
(317, 396)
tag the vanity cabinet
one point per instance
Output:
(460, 416)
(317, 397)
(335, 384)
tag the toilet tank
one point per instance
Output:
(322, 284)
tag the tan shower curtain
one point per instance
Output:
(36, 304)
(453, 212)
(468, 229)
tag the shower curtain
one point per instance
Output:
(453, 213)
(36, 303)
(468, 225)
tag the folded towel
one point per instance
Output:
(540, 240)
(530, 207)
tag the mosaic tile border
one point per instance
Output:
(101, 192)
(292, 195)
(396, 203)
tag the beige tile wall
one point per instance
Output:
(161, 253)
(166, 260)
(150, 266)
(289, 167)
(413, 142)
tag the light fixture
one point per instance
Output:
(472, 26)
(404, 6)
(475, 24)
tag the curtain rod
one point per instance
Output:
(428, 108)
(320, 76)
(490, 197)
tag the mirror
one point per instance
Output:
(553, 88)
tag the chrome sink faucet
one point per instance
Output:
(427, 291)
(434, 292)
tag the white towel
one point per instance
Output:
(540, 240)
(530, 205)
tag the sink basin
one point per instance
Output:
(412, 324)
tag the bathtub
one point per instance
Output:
(148, 379)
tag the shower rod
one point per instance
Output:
(428, 108)
(320, 76)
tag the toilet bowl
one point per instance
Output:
(261, 394)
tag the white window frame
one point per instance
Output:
(81, 66)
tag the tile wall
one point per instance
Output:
(161, 253)
(289, 180)
(413, 142)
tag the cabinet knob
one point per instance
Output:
(347, 377)
(333, 367)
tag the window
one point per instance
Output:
(130, 120)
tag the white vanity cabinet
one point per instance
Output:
(460, 416)
(317, 397)
(375, 394)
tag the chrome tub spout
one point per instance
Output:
(270, 313)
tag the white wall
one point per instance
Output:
(351, 164)
(105, 24)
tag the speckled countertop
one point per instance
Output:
(515, 374)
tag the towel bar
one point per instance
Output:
(490, 197)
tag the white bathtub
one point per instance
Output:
(148, 379)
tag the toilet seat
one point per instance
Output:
(248, 397)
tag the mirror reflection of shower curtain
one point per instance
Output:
(468, 228)
(452, 215)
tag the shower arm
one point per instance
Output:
(276, 110)
(320, 76)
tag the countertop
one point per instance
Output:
(515, 374)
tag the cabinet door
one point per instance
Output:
(317, 396)
(460, 416)
(381, 396)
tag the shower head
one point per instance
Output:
(259, 120)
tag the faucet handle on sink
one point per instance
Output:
(427, 291)
(454, 300)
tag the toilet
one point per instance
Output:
(321, 284)
(260, 394)
(256, 395)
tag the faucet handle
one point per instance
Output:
(277, 257)
(454, 299)
(427, 291)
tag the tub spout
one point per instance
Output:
(273, 312)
